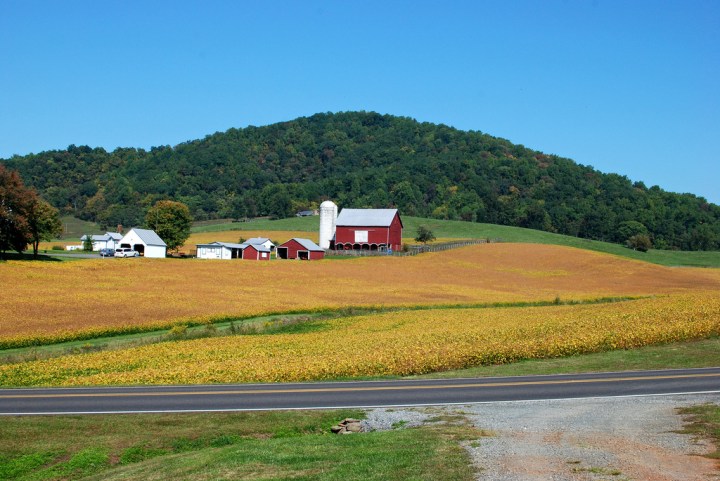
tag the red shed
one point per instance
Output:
(255, 252)
(303, 249)
(369, 229)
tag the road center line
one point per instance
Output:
(357, 389)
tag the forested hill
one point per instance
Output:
(361, 159)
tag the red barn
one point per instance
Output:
(255, 252)
(369, 229)
(303, 249)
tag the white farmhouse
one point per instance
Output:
(220, 250)
(108, 240)
(145, 241)
(226, 250)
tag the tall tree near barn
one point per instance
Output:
(171, 221)
(15, 205)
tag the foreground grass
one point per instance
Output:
(270, 445)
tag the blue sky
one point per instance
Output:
(631, 87)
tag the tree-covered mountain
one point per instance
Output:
(363, 159)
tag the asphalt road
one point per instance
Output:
(362, 394)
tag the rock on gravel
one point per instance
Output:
(386, 419)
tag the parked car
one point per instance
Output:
(107, 252)
(126, 252)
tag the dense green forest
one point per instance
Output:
(361, 159)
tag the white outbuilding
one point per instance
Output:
(261, 242)
(145, 241)
(108, 240)
(220, 250)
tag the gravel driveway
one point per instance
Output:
(630, 438)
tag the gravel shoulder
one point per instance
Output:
(626, 438)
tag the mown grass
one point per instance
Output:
(74, 228)
(268, 445)
(450, 229)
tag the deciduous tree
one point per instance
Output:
(171, 221)
(424, 235)
(44, 223)
(15, 204)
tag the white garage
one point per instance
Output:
(145, 241)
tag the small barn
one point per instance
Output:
(220, 250)
(303, 249)
(145, 241)
(255, 252)
(368, 229)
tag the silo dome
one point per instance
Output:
(328, 214)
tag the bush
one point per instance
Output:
(179, 331)
(424, 235)
(58, 248)
(639, 242)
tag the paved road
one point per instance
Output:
(248, 397)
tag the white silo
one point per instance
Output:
(328, 215)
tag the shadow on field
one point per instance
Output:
(14, 256)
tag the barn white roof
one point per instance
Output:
(229, 245)
(103, 237)
(366, 217)
(307, 244)
(257, 240)
(149, 237)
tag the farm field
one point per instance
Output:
(55, 301)
(58, 300)
(397, 343)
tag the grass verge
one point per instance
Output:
(251, 446)
(704, 422)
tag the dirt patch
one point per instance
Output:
(620, 439)
(594, 439)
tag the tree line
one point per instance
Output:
(364, 159)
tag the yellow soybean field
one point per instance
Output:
(46, 301)
(395, 343)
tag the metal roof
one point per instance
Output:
(149, 237)
(229, 245)
(103, 237)
(308, 244)
(366, 217)
(258, 240)
(257, 247)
